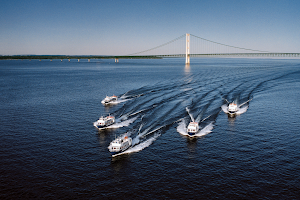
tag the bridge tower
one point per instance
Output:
(187, 49)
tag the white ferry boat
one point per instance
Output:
(193, 128)
(232, 109)
(103, 122)
(108, 100)
(120, 144)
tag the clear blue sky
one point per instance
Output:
(106, 27)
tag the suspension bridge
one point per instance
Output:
(184, 46)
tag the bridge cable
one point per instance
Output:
(228, 45)
(158, 46)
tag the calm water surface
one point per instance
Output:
(50, 149)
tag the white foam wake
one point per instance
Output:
(120, 123)
(146, 132)
(123, 123)
(121, 100)
(206, 130)
(225, 108)
(124, 96)
(116, 102)
(188, 111)
(143, 145)
(138, 147)
(242, 110)
(181, 128)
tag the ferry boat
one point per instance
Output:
(232, 109)
(108, 100)
(119, 145)
(103, 122)
(193, 128)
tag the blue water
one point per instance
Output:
(50, 149)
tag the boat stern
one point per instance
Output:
(192, 128)
(232, 109)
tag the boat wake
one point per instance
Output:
(113, 103)
(153, 109)
(137, 145)
(143, 145)
(120, 123)
(242, 110)
(191, 116)
(225, 108)
(121, 101)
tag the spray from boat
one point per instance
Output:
(113, 100)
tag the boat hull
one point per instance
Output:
(191, 134)
(192, 128)
(117, 153)
(104, 122)
(109, 100)
(231, 114)
(100, 127)
(120, 145)
(107, 103)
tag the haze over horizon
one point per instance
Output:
(123, 27)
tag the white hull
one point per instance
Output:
(232, 109)
(104, 122)
(192, 128)
(119, 145)
(109, 100)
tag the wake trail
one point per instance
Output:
(191, 116)
(120, 123)
(242, 110)
(140, 146)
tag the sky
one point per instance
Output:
(121, 27)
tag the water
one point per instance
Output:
(50, 149)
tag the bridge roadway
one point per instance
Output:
(116, 57)
(234, 55)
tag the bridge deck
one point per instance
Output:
(40, 57)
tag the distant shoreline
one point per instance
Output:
(52, 57)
